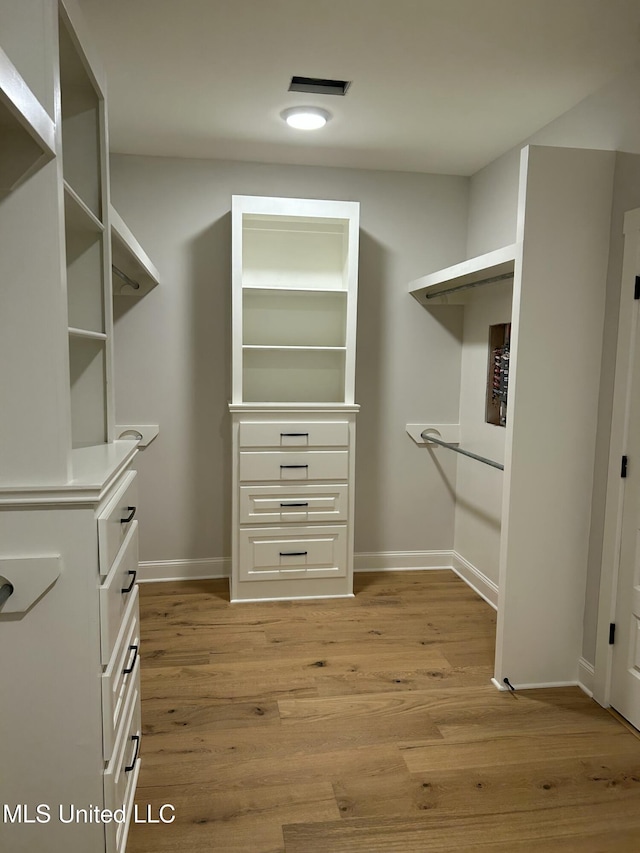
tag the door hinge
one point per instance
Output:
(623, 467)
(636, 289)
(612, 633)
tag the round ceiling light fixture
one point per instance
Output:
(306, 118)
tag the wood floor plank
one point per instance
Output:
(510, 749)
(168, 716)
(230, 821)
(531, 830)
(160, 769)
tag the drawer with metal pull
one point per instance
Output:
(270, 553)
(294, 465)
(286, 504)
(115, 520)
(115, 592)
(120, 676)
(293, 434)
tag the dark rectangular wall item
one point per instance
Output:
(498, 374)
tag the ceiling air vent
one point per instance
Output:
(319, 87)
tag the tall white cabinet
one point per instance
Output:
(70, 719)
(294, 280)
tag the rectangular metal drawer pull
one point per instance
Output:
(294, 466)
(293, 553)
(304, 504)
(294, 434)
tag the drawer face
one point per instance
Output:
(122, 766)
(286, 504)
(294, 465)
(121, 674)
(112, 529)
(273, 553)
(113, 600)
(294, 434)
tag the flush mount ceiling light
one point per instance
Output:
(306, 118)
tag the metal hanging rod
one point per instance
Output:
(5, 591)
(481, 281)
(134, 284)
(428, 437)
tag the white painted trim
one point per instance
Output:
(476, 579)
(391, 561)
(288, 598)
(183, 570)
(501, 687)
(586, 674)
(544, 684)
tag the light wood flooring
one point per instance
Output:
(365, 725)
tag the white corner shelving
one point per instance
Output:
(492, 267)
(27, 133)
(133, 272)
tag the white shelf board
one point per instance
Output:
(129, 257)
(77, 215)
(294, 348)
(142, 434)
(500, 262)
(27, 133)
(284, 287)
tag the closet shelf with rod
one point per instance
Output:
(490, 268)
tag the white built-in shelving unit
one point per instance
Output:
(295, 267)
(559, 268)
(70, 724)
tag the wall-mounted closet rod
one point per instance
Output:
(428, 437)
(125, 277)
(481, 281)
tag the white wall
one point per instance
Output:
(479, 487)
(173, 347)
(610, 120)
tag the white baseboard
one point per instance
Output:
(586, 676)
(474, 578)
(396, 561)
(183, 570)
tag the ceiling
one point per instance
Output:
(437, 85)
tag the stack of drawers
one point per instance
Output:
(293, 507)
(119, 643)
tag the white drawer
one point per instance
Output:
(121, 773)
(285, 504)
(115, 520)
(271, 553)
(294, 465)
(115, 592)
(121, 674)
(294, 434)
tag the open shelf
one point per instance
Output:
(130, 259)
(81, 125)
(294, 375)
(87, 368)
(484, 269)
(282, 252)
(27, 134)
(279, 317)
